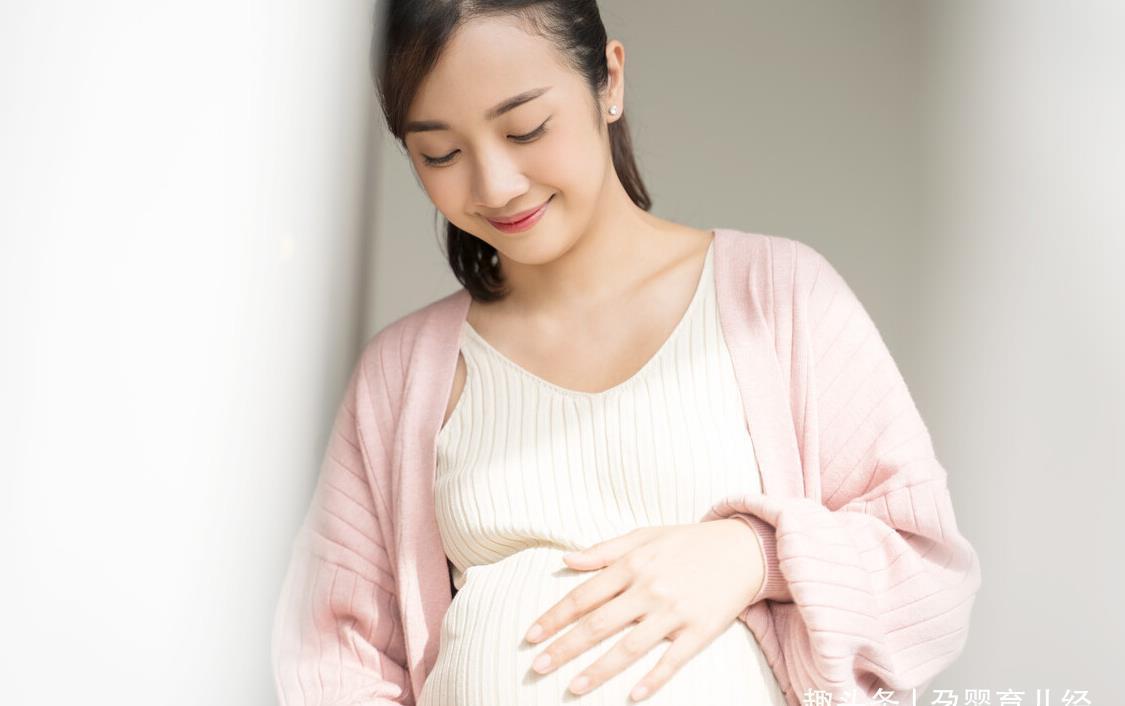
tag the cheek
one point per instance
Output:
(443, 190)
(570, 163)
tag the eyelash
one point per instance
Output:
(522, 139)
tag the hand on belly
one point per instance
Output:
(685, 583)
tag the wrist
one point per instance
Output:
(748, 548)
(773, 586)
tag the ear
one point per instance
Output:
(614, 93)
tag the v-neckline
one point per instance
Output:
(706, 278)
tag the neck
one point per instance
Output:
(619, 250)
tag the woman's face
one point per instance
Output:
(475, 164)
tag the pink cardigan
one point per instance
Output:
(869, 582)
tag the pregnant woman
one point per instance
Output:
(629, 459)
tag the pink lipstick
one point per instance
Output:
(521, 221)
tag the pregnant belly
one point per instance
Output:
(483, 659)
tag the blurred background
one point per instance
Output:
(204, 218)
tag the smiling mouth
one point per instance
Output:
(522, 218)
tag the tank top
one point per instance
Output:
(528, 470)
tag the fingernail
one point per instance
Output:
(579, 685)
(638, 693)
(534, 633)
(541, 662)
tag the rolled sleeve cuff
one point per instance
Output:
(774, 586)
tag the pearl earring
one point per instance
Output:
(613, 110)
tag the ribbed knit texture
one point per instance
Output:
(528, 470)
(870, 582)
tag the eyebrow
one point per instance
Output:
(495, 112)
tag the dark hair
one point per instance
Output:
(414, 34)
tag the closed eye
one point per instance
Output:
(522, 139)
(533, 134)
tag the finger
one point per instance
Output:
(599, 625)
(579, 601)
(684, 647)
(608, 551)
(649, 633)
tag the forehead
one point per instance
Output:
(485, 61)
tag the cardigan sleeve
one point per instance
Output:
(774, 587)
(869, 583)
(337, 635)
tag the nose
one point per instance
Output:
(497, 181)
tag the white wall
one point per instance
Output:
(1021, 328)
(180, 243)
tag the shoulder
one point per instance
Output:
(420, 336)
(792, 288)
(774, 267)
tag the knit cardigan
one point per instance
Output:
(868, 582)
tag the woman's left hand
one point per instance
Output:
(684, 582)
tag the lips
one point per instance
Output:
(512, 220)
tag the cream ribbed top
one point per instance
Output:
(528, 470)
